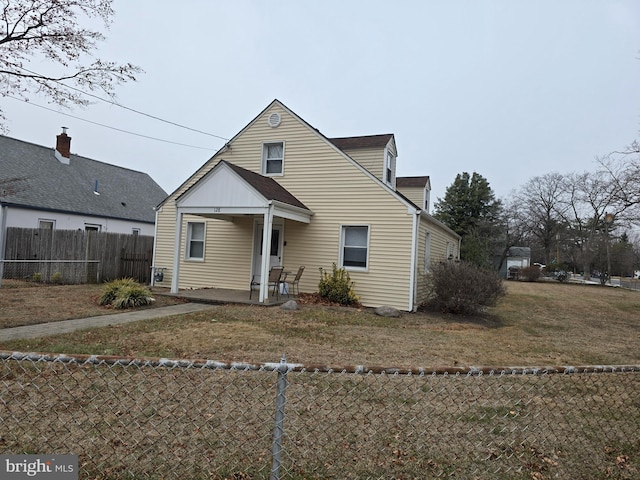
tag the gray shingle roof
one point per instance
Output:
(409, 182)
(367, 141)
(32, 177)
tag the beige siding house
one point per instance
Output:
(281, 193)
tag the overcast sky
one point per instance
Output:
(509, 89)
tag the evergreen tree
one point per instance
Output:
(471, 210)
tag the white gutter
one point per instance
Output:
(153, 255)
(3, 235)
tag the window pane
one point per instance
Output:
(196, 250)
(355, 236)
(274, 151)
(275, 242)
(197, 231)
(355, 257)
(274, 166)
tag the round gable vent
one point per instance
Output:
(274, 120)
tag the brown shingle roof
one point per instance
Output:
(368, 141)
(408, 182)
(266, 186)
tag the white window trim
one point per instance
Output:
(47, 220)
(187, 253)
(264, 158)
(427, 252)
(389, 165)
(342, 238)
(92, 227)
(427, 200)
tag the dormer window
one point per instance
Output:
(390, 169)
(273, 158)
(427, 198)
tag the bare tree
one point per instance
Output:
(591, 208)
(540, 200)
(622, 169)
(51, 31)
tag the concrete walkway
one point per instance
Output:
(66, 326)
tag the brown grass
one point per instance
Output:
(26, 303)
(545, 324)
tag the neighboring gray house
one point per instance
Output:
(517, 258)
(42, 187)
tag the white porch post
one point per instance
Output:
(266, 254)
(176, 253)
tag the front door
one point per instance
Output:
(275, 252)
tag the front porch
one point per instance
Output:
(221, 296)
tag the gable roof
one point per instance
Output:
(366, 141)
(266, 186)
(520, 252)
(412, 182)
(32, 177)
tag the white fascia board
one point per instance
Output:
(203, 211)
(292, 213)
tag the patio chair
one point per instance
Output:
(295, 283)
(275, 278)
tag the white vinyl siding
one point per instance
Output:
(195, 240)
(354, 247)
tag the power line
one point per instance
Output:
(110, 127)
(130, 109)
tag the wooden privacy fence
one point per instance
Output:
(119, 255)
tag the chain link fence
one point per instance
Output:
(131, 418)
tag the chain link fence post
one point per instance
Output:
(278, 427)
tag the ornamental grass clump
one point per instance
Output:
(125, 293)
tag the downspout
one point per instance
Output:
(153, 255)
(414, 261)
(176, 253)
(266, 250)
(3, 235)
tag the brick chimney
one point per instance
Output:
(63, 147)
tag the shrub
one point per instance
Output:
(530, 274)
(464, 288)
(337, 286)
(36, 277)
(56, 277)
(125, 293)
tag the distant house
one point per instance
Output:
(517, 258)
(280, 193)
(42, 187)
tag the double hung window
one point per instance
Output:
(273, 158)
(355, 247)
(195, 241)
